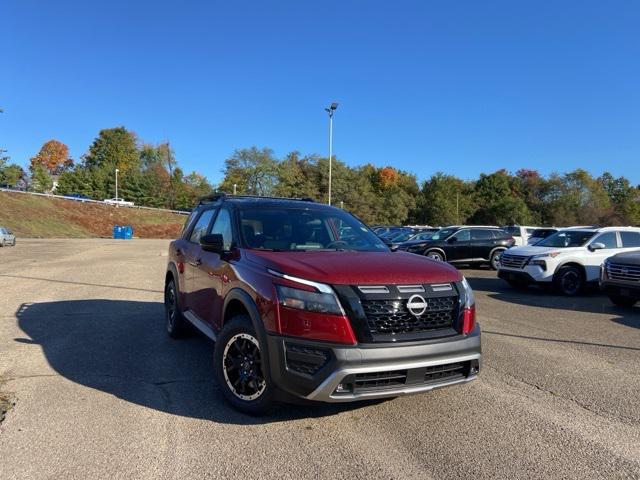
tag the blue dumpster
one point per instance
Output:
(123, 232)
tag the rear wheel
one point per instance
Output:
(241, 369)
(435, 255)
(622, 301)
(568, 281)
(176, 323)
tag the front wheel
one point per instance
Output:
(433, 255)
(495, 260)
(241, 369)
(568, 281)
(622, 301)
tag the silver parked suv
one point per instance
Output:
(6, 237)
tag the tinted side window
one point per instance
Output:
(630, 239)
(463, 236)
(222, 226)
(201, 226)
(481, 235)
(609, 240)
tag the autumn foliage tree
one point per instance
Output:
(53, 157)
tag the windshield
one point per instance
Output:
(566, 239)
(443, 233)
(305, 229)
(403, 237)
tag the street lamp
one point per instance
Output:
(330, 109)
(117, 183)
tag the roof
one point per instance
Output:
(260, 200)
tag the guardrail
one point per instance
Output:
(89, 200)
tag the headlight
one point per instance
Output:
(546, 255)
(468, 315)
(310, 301)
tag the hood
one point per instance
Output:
(357, 268)
(531, 250)
(628, 258)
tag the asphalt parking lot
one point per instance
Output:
(101, 392)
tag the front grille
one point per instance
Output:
(627, 273)
(444, 372)
(392, 316)
(513, 261)
(304, 359)
(414, 377)
(367, 381)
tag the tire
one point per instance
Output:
(435, 255)
(240, 368)
(2, 243)
(174, 320)
(622, 301)
(494, 261)
(569, 281)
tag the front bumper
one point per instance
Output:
(530, 273)
(374, 371)
(620, 289)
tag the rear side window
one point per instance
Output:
(609, 240)
(200, 229)
(513, 231)
(481, 235)
(499, 234)
(630, 239)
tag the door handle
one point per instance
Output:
(197, 263)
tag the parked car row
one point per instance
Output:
(566, 259)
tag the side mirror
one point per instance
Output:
(597, 246)
(212, 243)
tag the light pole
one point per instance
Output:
(117, 183)
(330, 110)
(235, 188)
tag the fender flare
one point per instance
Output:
(437, 249)
(502, 249)
(251, 307)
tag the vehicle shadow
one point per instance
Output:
(591, 301)
(121, 347)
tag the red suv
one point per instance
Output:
(304, 301)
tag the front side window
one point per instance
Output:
(609, 240)
(630, 239)
(566, 239)
(463, 236)
(287, 229)
(201, 226)
(222, 226)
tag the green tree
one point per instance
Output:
(445, 200)
(497, 203)
(13, 175)
(114, 148)
(254, 171)
(41, 181)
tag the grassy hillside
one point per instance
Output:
(41, 217)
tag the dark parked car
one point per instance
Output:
(463, 244)
(413, 236)
(298, 311)
(620, 278)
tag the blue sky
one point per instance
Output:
(462, 87)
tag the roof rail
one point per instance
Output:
(214, 197)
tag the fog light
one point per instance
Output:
(342, 388)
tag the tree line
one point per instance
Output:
(148, 175)
(391, 196)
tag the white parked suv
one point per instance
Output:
(568, 259)
(519, 233)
